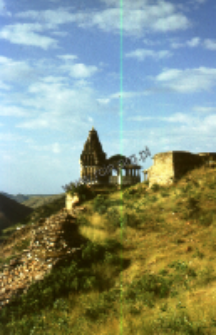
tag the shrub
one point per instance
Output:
(132, 220)
(112, 244)
(102, 306)
(155, 187)
(212, 184)
(114, 217)
(100, 204)
(192, 206)
(153, 198)
(93, 252)
(164, 193)
(82, 221)
(83, 190)
(147, 287)
(186, 188)
(206, 219)
(131, 193)
(112, 258)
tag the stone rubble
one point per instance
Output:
(46, 248)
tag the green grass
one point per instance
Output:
(134, 268)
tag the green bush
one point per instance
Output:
(114, 217)
(93, 252)
(83, 190)
(131, 194)
(112, 244)
(164, 193)
(212, 184)
(82, 221)
(100, 204)
(132, 220)
(153, 198)
(192, 207)
(206, 219)
(103, 305)
(186, 188)
(155, 187)
(146, 288)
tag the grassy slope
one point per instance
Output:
(37, 201)
(163, 257)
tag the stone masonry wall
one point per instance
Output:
(172, 165)
(184, 162)
(162, 172)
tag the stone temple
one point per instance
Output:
(94, 165)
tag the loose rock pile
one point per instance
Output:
(49, 244)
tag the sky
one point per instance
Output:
(141, 72)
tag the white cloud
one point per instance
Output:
(204, 109)
(56, 148)
(80, 70)
(189, 80)
(175, 118)
(119, 95)
(104, 101)
(185, 131)
(139, 17)
(7, 137)
(27, 34)
(210, 44)
(194, 42)
(177, 45)
(126, 95)
(62, 105)
(12, 111)
(77, 70)
(16, 71)
(32, 145)
(142, 54)
(178, 118)
(140, 118)
(49, 18)
(60, 33)
(36, 123)
(68, 57)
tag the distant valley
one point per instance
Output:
(15, 208)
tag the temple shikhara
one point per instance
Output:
(93, 165)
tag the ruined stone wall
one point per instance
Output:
(209, 158)
(184, 162)
(49, 244)
(162, 172)
(172, 165)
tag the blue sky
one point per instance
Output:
(60, 74)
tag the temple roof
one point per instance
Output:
(93, 153)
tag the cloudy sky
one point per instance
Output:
(142, 72)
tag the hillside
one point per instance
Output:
(35, 201)
(32, 200)
(146, 263)
(11, 212)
